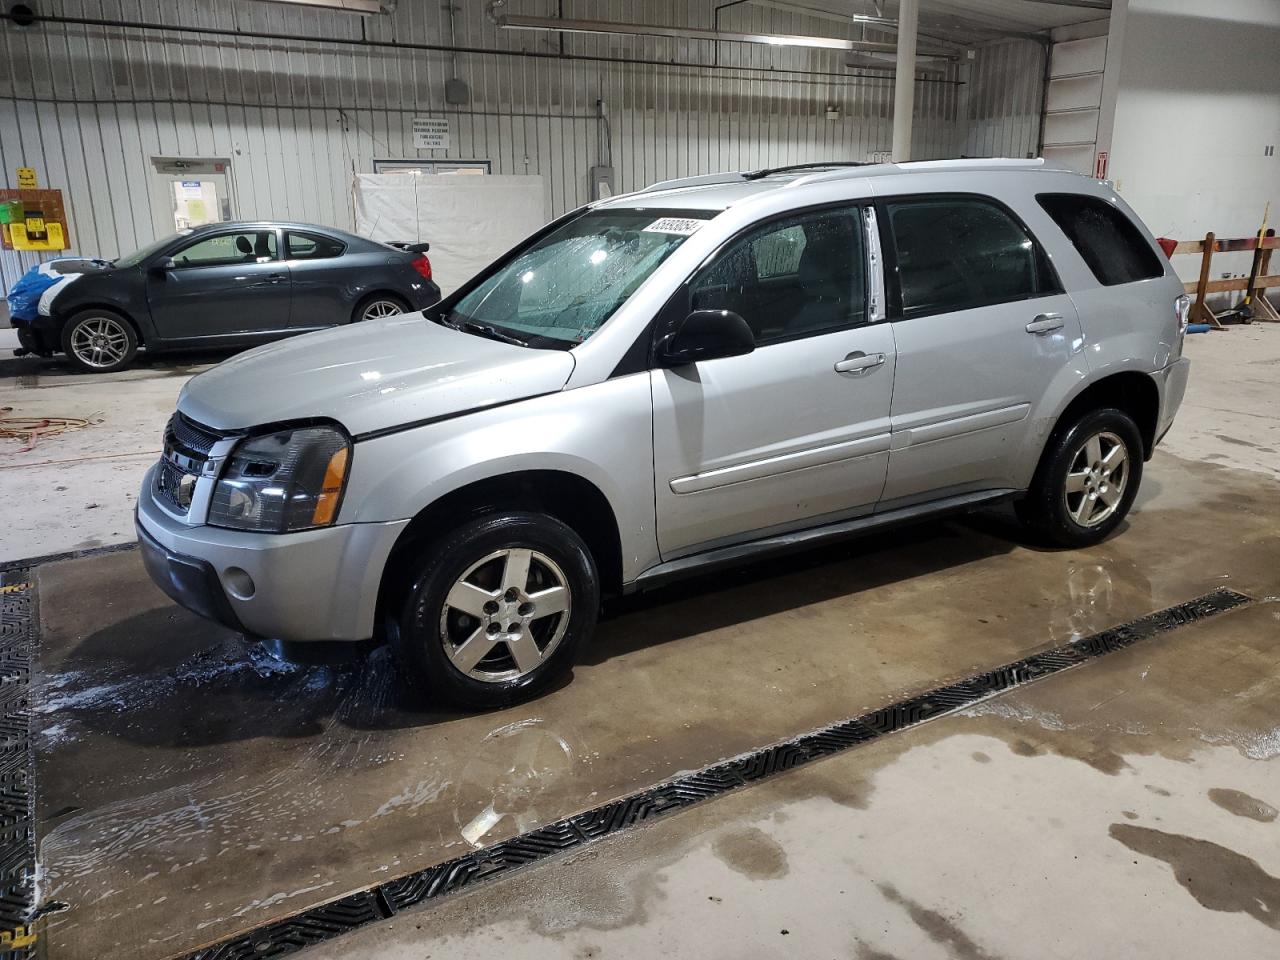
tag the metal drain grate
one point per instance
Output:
(381, 902)
(17, 835)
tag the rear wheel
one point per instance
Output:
(1087, 480)
(379, 306)
(497, 609)
(99, 341)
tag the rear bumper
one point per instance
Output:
(1172, 381)
(423, 293)
(311, 585)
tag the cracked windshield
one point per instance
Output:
(563, 288)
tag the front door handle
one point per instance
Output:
(277, 277)
(1045, 323)
(859, 362)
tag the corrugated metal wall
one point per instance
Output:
(1006, 100)
(297, 100)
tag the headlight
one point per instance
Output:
(288, 480)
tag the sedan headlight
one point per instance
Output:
(288, 480)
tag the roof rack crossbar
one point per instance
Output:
(825, 164)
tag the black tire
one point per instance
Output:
(99, 341)
(1047, 511)
(362, 309)
(426, 624)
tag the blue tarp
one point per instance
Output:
(24, 296)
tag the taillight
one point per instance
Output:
(1167, 246)
(422, 265)
(1182, 312)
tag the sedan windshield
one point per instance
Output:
(135, 258)
(563, 288)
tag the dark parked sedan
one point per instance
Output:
(227, 285)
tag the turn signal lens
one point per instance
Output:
(1181, 313)
(335, 474)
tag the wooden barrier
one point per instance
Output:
(1200, 312)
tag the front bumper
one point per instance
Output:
(312, 585)
(188, 581)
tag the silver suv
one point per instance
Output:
(667, 382)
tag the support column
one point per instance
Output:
(904, 89)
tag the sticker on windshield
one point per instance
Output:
(681, 225)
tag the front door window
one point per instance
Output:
(250, 246)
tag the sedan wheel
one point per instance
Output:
(99, 342)
(378, 309)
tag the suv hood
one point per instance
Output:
(371, 376)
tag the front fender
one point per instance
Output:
(601, 433)
(123, 294)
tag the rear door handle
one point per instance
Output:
(859, 362)
(277, 277)
(1045, 323)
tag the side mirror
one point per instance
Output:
(706, 335)
(161, 266)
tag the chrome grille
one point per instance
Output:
(187, 446)
(190, 435)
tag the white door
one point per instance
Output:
(797, 431)
(189, 193)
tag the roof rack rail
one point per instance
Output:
(705, 179)
(766, 171)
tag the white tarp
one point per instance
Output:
(468, 220)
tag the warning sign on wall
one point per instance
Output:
(1100, 165)
(430, 133)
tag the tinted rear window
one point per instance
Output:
(959, 252)
(1108, 241)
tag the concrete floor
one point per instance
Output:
(77, 490)
(190, 789)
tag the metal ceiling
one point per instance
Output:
(965, 21)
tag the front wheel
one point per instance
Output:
(1087, 480)
(99, 341)
(497, 610)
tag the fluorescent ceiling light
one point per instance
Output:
(516, 22)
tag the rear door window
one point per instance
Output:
(1108, 241)
(957, 253)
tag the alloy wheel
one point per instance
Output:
(379, 309)
(100, 342)
(1096, 479)
(505, 616)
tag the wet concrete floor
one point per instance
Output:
(190, 787)
(1117, 810)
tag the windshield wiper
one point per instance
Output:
(484, 330)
